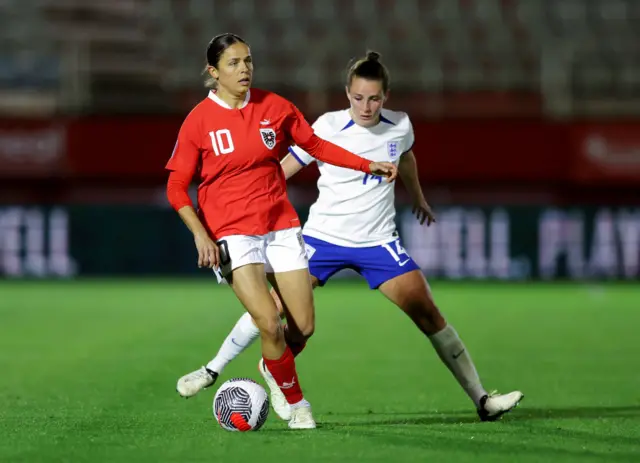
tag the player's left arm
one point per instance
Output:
(408, 172)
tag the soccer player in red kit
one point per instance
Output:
(245, 227)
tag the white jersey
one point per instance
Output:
(356, 209)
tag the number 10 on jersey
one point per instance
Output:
(221, 141)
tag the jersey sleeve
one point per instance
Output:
(186, 152)
(296, 126)
(301, 133)
(301, 155)
(178, 190)
(409, 138)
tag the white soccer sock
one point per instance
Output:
(242, 336)
(452, 352)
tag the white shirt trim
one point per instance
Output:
(216, 98)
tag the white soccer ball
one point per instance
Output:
(241, 404)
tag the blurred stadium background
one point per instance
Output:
(525, 111)
(527, 122)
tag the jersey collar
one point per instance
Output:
(214, 97)
(351, 122)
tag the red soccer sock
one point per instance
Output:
(284, 372)
(296, 347)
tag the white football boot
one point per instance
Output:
(494, 405)
(301, 418)
(278, 400)
(192, 383)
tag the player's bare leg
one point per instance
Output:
(293, 291)
(242, 335)
(412, 294)
(278, 400)
(250, 286)
(295, 335)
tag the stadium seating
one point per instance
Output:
(130, 51)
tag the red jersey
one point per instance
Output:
(235, 155)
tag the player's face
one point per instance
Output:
(366, 98)
(235, 69)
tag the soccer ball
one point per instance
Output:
(241, 404)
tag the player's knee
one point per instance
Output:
(307, 329)
(301, 330)
(270, 327)
(307, 324)
(425, 313)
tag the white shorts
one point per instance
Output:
(279, 251)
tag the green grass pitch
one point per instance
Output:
(88, 372)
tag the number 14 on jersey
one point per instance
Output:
(371, 178)
(399, 251)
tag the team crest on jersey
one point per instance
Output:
(392, 148)
(268, 137)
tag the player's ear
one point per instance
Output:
(213, 72)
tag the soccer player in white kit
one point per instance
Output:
(352, 226)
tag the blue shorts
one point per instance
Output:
(376, 264)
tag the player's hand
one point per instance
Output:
(423, 212)
(384, 169)
(208, 252)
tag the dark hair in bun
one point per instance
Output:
(369, 67)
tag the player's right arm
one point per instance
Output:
(290, 165)
(183, 163)
(298, 158)
(303, 135)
